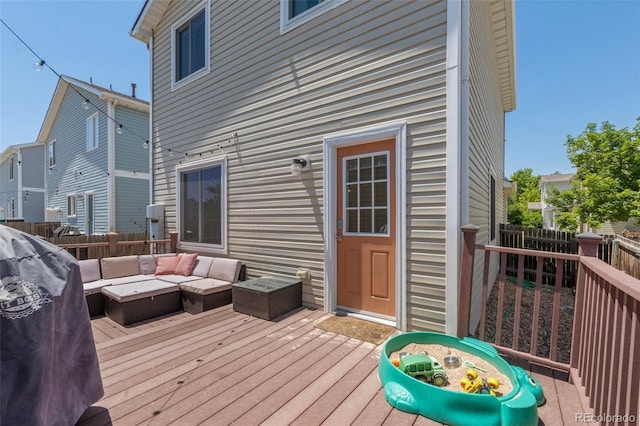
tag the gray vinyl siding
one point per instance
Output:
(33, 207)
(132, 198)
(78, 170)
(130, 152)
(486, 141)
(33, 169)
(361, 64)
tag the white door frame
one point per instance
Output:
(89, 198)
(397, 131)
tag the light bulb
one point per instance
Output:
(170, 153)
(85, 104)
(38, 65)
(119, 129)
(145, 144)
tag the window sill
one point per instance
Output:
(175, 85)
(209, 248)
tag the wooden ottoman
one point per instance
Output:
(128, 303)
(267, 297)
(204, 294)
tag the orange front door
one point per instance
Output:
(366, 228)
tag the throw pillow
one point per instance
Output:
(167, 265)
(186, 264)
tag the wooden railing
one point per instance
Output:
(602, 350)
(111, 247)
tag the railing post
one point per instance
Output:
(112, 237)
(466, 278)
(174, 241)
(587, 246)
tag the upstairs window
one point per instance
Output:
(297, 12)
(190, 46)
(11, 164)
(93, 132)
(52, 154)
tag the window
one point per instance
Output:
(202, 203)
(71, 205)
(93, 132)
(366, 194)
(295, 12)
(296, 7)
(190, 47)
(52, 154)
(492, 209)
(11, 165)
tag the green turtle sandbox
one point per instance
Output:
(406, 393)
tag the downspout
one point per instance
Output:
(151, 144)
(457, 188)
(18, 165)
(111, 166)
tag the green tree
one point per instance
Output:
(606, 186)
(527, 190)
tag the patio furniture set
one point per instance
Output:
(129, 289)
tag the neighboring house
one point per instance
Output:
(560, 181)
(22, 183)
(351, 139)
(97, 174)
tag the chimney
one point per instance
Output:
(133, 90)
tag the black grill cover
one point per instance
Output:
(49, 371)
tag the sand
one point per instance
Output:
(439, 352)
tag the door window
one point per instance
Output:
(366, 194)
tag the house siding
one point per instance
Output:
(9, 188)
(78, 170)
(360, 64)
(32, 170)
(130, 152)
(27, 185)
(486, 141)
(132, 197)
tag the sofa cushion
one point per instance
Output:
(116, 267)
(94, 287)
(127, 280)
(147, 264)
(90, 270)
(167, 265)
(225, 269)
(140, 290)
(206, 286)
(186, 263)
(202, 266)
(177, 279)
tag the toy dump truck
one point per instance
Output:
(425, 366)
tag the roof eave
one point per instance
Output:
(503, 25)
(148, 18)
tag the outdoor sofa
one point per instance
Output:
(134, 288)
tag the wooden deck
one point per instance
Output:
(223, 367)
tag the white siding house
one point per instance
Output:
(561, 182)
(22, 183)
(96, 158)
(348, 138)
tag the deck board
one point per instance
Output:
(223, 367)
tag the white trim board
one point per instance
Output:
(331, 143)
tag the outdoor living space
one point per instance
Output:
(222, 366)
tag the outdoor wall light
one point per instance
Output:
(300, 164)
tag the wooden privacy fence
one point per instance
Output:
(42, 229)
(114, 244)
(625, 256)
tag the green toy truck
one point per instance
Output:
(423, 365)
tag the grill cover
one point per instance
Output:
(49, 372)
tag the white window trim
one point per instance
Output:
(89, 198)
(11, 166)
(492, 221)
(49, 149)
(198, 165)
(287, 24)
(96, 125)
(207, 46)
(75, 206)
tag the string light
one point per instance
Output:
(119, 130)
(41, 63)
